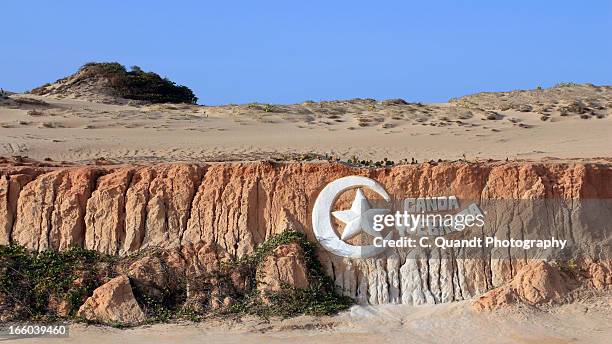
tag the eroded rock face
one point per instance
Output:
(151, 275)
(10, 188)
(51, 209)
(283, 267)
(223, 211)
(195, 268)
(113, 302)
(536, 283)
(598, 274)
(539, 282)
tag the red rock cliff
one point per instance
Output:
(236, 206)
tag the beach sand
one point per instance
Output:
(579, 322)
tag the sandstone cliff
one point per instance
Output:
(234, 207)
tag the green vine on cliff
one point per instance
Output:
(39, 285)
(32, 282)
(320, 298)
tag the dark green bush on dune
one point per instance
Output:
(117, 81)
(138, 84)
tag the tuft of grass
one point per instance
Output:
(566, 84)
(262, 107)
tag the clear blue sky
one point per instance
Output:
(290, 51)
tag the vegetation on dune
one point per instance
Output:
(566, 84)
(140, 85)
(135, 84)
(262, 107)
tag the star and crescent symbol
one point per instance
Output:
(359, 218)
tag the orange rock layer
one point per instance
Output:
(236, 206)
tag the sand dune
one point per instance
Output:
(562, 122)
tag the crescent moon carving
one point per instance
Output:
(321, 217)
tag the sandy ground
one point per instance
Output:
(81, 131)
(580, 322)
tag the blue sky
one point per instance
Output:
(290, 51)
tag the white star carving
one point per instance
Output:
(359, 218)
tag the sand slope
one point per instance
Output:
(561, 122)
